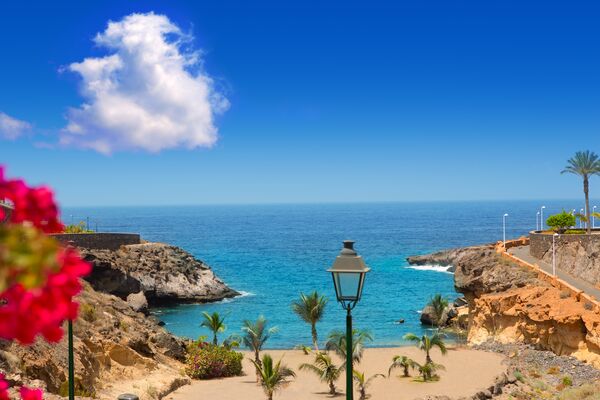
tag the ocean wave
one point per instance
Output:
(242, 294)
(436, 268)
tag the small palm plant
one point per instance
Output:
(426, 343)
(272, 377)
(310, 308)
(363, 383)
(402, 362)
(584, 164)
(337, 343)
(429, 369)
(325, 369)
(255, 336)
(438, 305)
(215, 323)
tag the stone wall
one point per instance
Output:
(99, 241)
(540, 244)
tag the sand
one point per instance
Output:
(467, 372)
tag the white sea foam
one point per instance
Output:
(242, 294)
(436, 268)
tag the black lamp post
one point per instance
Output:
(348, 272)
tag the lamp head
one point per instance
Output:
(348, 272)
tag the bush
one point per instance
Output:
(207, 361)
(560, 222)
(77, 228)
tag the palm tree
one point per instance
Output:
(402, 362)
(272, 377)
(429, 369)
(310, 308)
(324, 368)
(337, 342)
(426, 343)
(255, 335)
(362, 382)
(215, 323)
(585, 164)
(438, 305)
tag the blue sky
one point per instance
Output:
(328, 101)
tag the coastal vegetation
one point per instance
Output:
(324, 367)
(80, 227)
(337, 342)
(438, 306)
(310, 308)
(272, 377)
(209, 361)
(561, 222)
(255, 336)
(215, 323)
(362, 382)
(427, 343)
(585, 164)
(403, 362)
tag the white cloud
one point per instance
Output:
(11, 128)
(150, 93)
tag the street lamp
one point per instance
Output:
(504, 230)
(580, 218)
(555, 236)
(348, 272)
(542, 218)
(537, 224)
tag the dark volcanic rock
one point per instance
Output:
(162, 272)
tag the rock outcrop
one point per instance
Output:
(581, 259)
(508, 303)
(116, 350)
(163, 273)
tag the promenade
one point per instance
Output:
(522, 252)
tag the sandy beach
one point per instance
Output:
(467, 371)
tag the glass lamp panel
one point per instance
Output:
(347, 285)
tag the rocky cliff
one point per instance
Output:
(508, 303)
(117, 350)
(163, 273)
(579, 258)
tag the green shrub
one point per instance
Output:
(77, 228)
(560, 222)
(207, 361)
(567, 380)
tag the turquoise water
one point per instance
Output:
(272, 252)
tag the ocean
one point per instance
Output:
(271, 253)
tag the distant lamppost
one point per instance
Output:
(593, 218)
(537, 224)
(580, 218)
(504, 229)
(348, 272)
(542, 218)
(555, 236)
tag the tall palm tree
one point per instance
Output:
(438, 305)
(402, 362)
(426, 343)
(585, 164)
(325, 369)
(362, 382)
(272, 377)
(215, 323)
(310, 308)
(255, 336)
(337, 343)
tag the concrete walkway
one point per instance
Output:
(522, 252)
